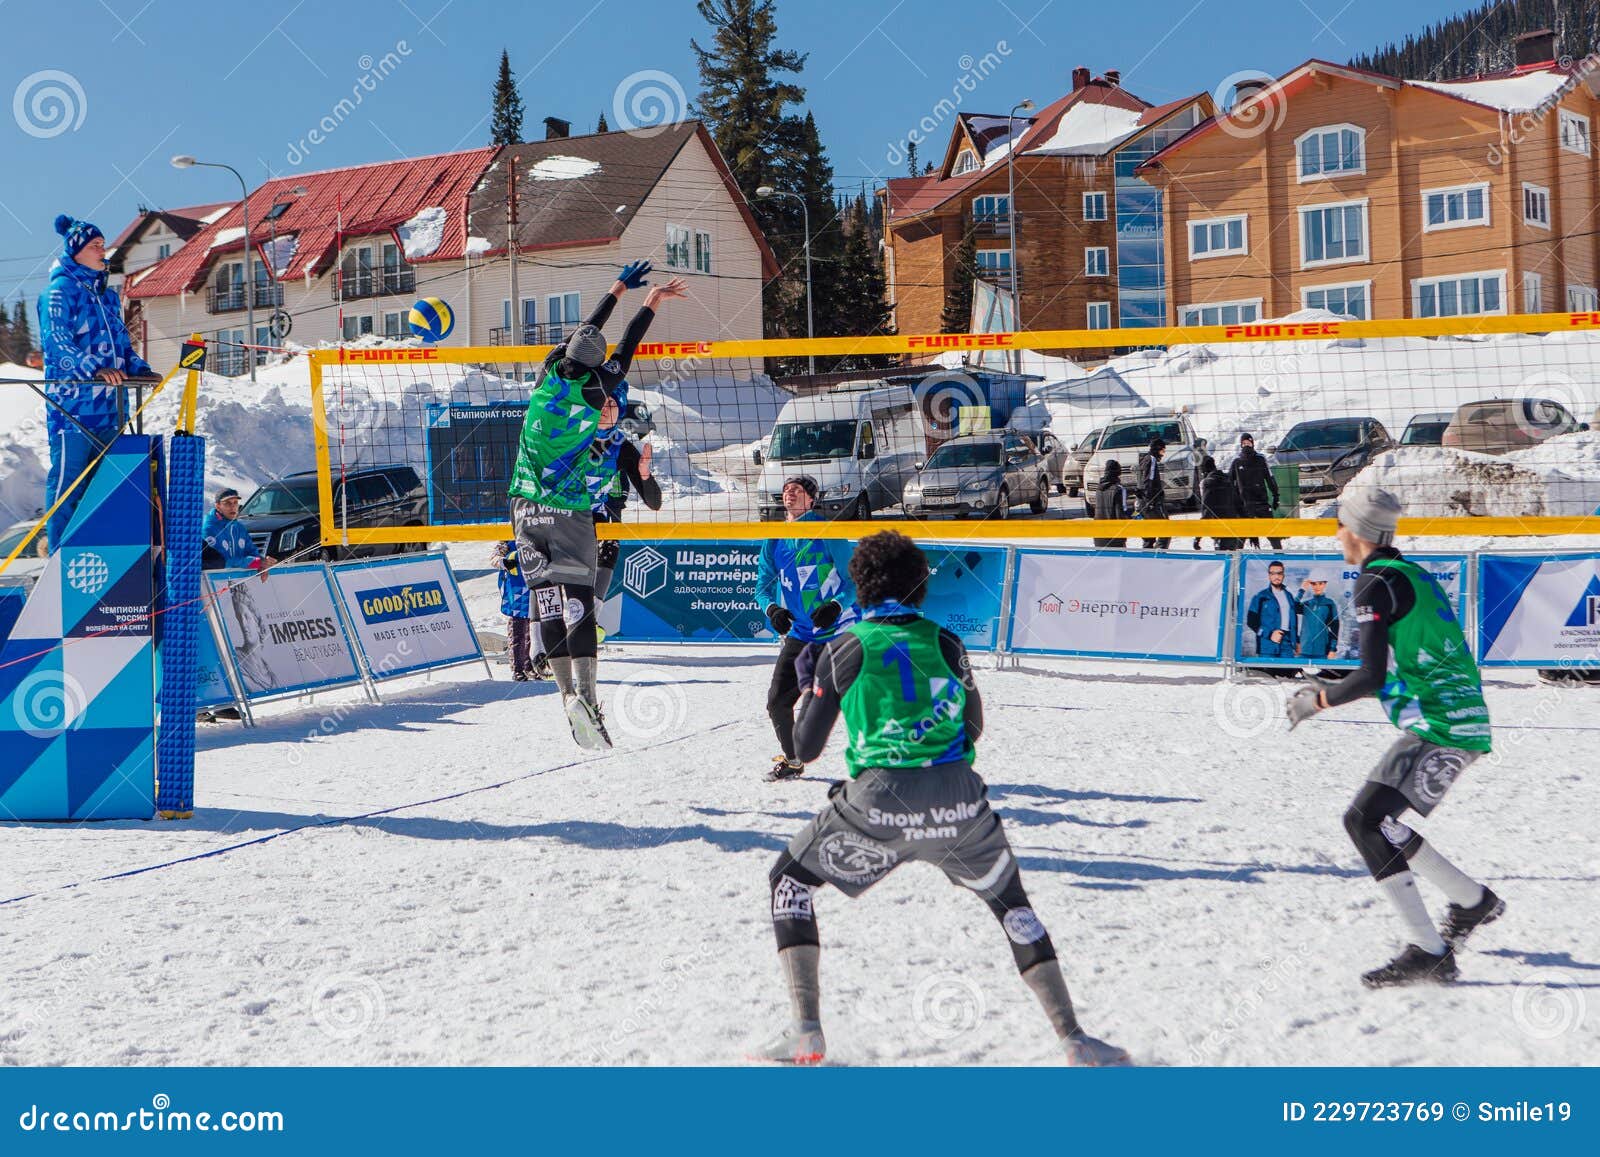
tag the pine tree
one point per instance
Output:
(505, 126)
(1484, 40)
(743, 98)
(863, 306)
(19, 332)
(911, 158)
(7, 354)
(601, 126)
(927, 170)
(957, 315)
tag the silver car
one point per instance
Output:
(1328, 452)
(980, 474)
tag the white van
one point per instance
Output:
(861, 441)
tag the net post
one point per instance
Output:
(179, 606)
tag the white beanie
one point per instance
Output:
(1371, 514)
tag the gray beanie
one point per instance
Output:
(1370, 513)
(587, 347)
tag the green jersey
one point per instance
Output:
(1433, 688)
(553, 458)
(906, 708)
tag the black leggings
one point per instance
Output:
(1373, 821)
(784, 692)
(794, 918)
(566, 621)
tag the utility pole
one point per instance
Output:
(514, 309)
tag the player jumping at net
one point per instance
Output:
(552, 508)
(1415, 658)
(617, 466)
(912, 714)
(803, 586)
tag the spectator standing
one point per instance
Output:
(1218, 499)
(514, 606)
(1152, 491)
(1111, 502)
(1258, 489)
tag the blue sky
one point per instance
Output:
(246, 85)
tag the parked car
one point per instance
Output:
(860, 441)
(1328, 452)
(1055, 455)
(1501, 425)
(982, 474)
(1426, 429)
(1077, 458)
(1126, 438)
(283, 520)
(28, 565)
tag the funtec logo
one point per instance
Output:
(410, 601)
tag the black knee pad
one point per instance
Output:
(1030, 943)
(578, 613)
(1365, 821)
(794, 920)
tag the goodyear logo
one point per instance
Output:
(410, 601)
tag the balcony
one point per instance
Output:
(993, 224)
(999, 278)
(541, 334)
(231, 298)
(349, 286)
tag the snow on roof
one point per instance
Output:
(217, 214)
(1090, 127)
(561, 168)
(477, 245)
(227, 236)
(279, 253)
(422, 234)
(1530, 90)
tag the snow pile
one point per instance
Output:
(227, 236)
(1089, 128)
(706, 413)
(422, 235)
(1508, 93)
(1559, 477)
(561, 168)
(477, 246)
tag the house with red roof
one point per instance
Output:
(1085, 229)
(341, 255)
(1338, 189)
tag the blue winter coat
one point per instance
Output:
(1319, 632)
(513, 589)
(800, 574)
(230, 540)
(1263, 616)
(81, 330)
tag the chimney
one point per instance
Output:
(1536, 47)
(1080, 77)
(556, 129)
(1114, 77)
(1244, 89)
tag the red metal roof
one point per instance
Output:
(361, 200)
(178, 220)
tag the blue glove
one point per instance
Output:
(634, 273)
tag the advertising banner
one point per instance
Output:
(283, 633)
(1539, 610)
(211, 680)
(1120, 604)
(406, 613)
(705, 592)
(1296, 610)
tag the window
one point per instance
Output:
(1574, 132)
(677, 247)
(1333, 234)
(966, 161)
(1097, 261)
(1463, 296)
(355, 273)
(993, 260)
(1346, 300)
(1220, 313)
(1094, 206)
(355, 327)
(560, 313)
(393, 325)
(1582, 299)
(1532, 293)
(1455, 208)
(1099, 315)
(163, 251)
(702, 252)
(1217, 237)
(991, 210)
(1332, 151)
(1536, 205)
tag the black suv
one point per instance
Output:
(282, 516)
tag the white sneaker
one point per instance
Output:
(798, 1044)
(1087, 1052)
(588, 729)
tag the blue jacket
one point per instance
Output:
(513, 588)
(800, 574)
(81, 330)
(231, 542)
(1319, 633)
(1263, 616)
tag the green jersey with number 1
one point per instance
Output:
(906, 708)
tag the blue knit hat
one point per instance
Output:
(76, 234)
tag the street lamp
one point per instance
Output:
(182, 161)
(1011, 205)
(766, 191)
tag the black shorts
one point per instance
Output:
(554, 546)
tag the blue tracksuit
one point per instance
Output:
(800, 574)
(1319, 629)
(230, 541)
(81, 330)
(1265, 616)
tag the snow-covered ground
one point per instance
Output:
(446, 879)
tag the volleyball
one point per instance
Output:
(431, 319)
